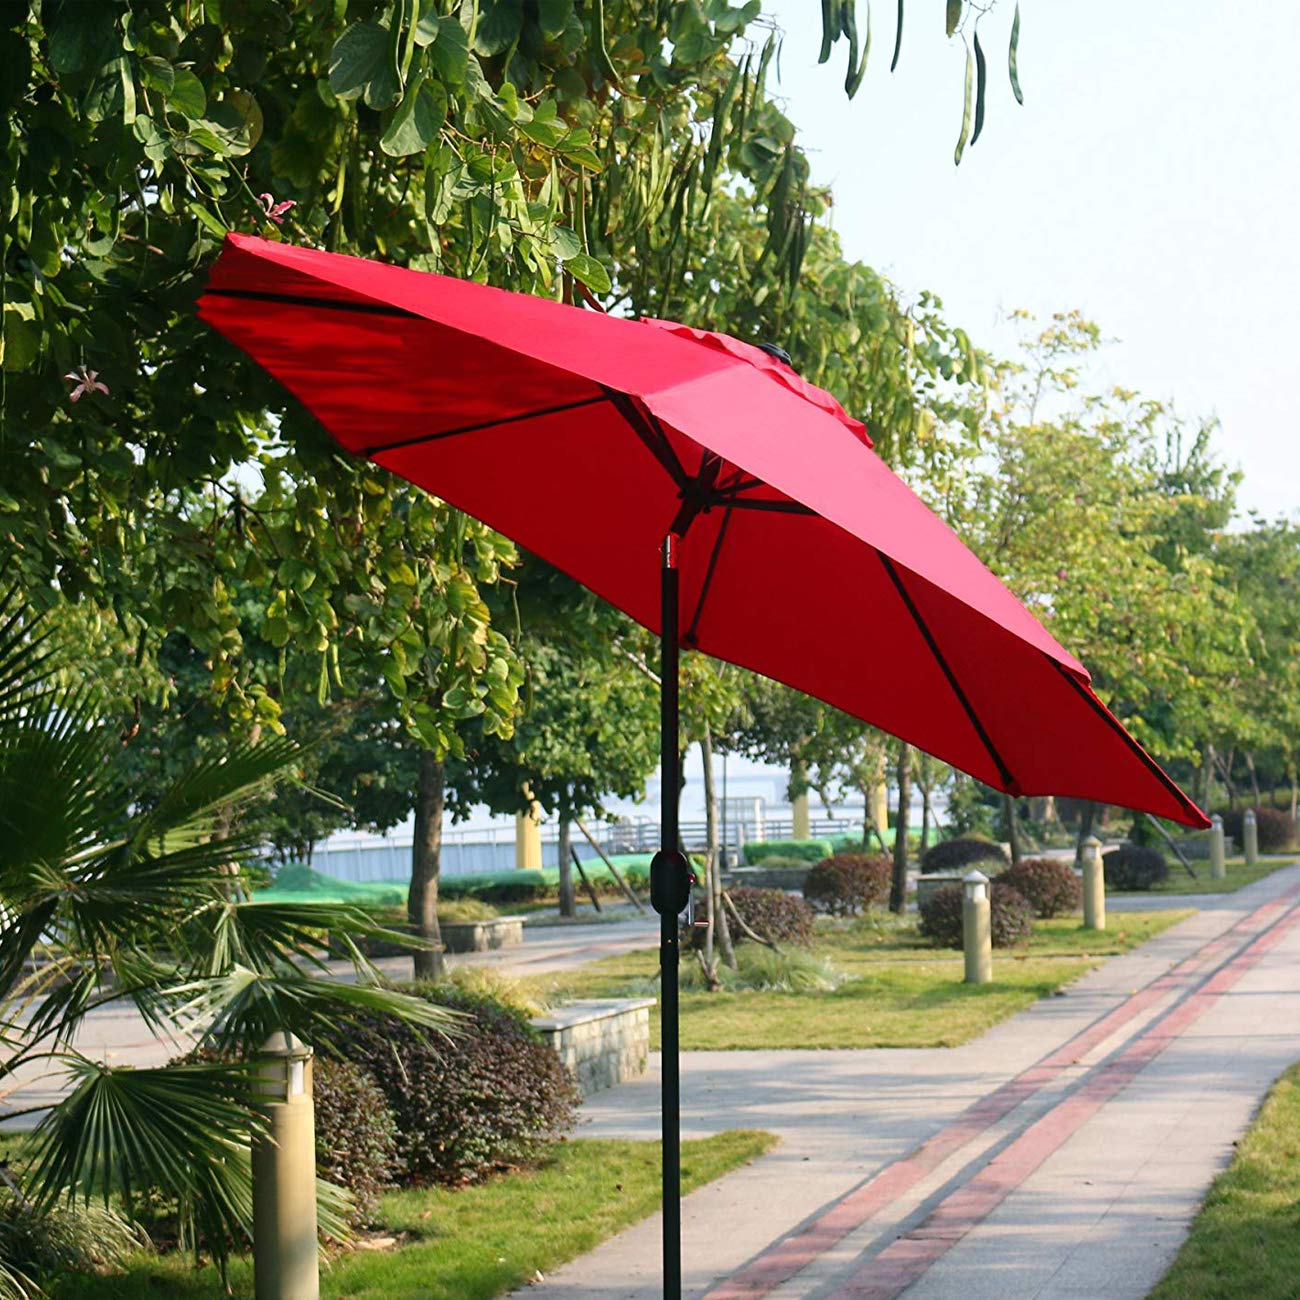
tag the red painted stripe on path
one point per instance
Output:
(782, 1261)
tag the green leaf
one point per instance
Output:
(953, 16)
(500, 23)
(237, 117)
(20, 340)
(187, 95)
(15, 68)
(418, 119)
(207, 220)
(966, 111)
(981, 79)
(1013, 57)
(592, 273)
(79, 36)
(553, 17)
(565, 244)
(450, 52)
(357, 58)
(427, 28)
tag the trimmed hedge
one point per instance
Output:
(1011, 916)
(1133, 866)
(1049, 884)
(1275, 829)
(804, 850)
(489, 1099)
(356, 1135)
(849, 883)
(963, 854)
(776, 915)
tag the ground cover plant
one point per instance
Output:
(1134, 867)
(490, 1098)
(849, 883)
(1243, 1241)
(468, 1243)
(903, 992)
(1049, 884)
(774, 914)
(1011, 916)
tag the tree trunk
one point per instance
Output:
(1013, 826)
(718, 937)
(1254, 778)
(426, 861)
(566, 867)
(898, 885)
(1207, 775)
(1293, 773)
(923, 777)
(1086, 817)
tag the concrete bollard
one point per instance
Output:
(976, 931)
(1094, 885)
(285, 1248)
(1218, 858)
(802, 823)
(1250, 837)
(528, 839)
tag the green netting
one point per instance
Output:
(296, 883)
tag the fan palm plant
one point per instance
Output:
(104, 901)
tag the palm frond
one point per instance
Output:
(183, 1130)
(26, 659)
(242, 1008)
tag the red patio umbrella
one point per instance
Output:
(748, 483)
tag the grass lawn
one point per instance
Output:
(476, 1242)
(1238, 874)
(904, 993)
(1244, 1240)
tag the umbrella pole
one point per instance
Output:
(667, 903)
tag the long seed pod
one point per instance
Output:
(1013, 57)
(854, 77)
(966, 111)
(830, 29)
(981, 77)
(953, 16)
(898, 38)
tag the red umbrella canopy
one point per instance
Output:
(588, 438)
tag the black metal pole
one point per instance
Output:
(670, 773)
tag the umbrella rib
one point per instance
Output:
(772, 506)
(1102, 712)
(380, 448)
(651, 432)
(690, 637)
(306, 300)
(1007, 779)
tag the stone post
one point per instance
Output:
(976, 932)
(1250, 837)
(285, 1261)
(1094, 885)
(802, 823)
(1218, 858)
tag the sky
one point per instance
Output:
(1151, 180)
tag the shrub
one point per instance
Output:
(1133, 866)
(1011, 917)
(849, 883)
(1049, 884)
(1275, 829)
(776, 915)
(356, 1135)
(962, 855)
(491, 1098)
(759, 851)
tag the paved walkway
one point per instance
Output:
(1062, 1154)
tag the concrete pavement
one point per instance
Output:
(1062, 1154)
